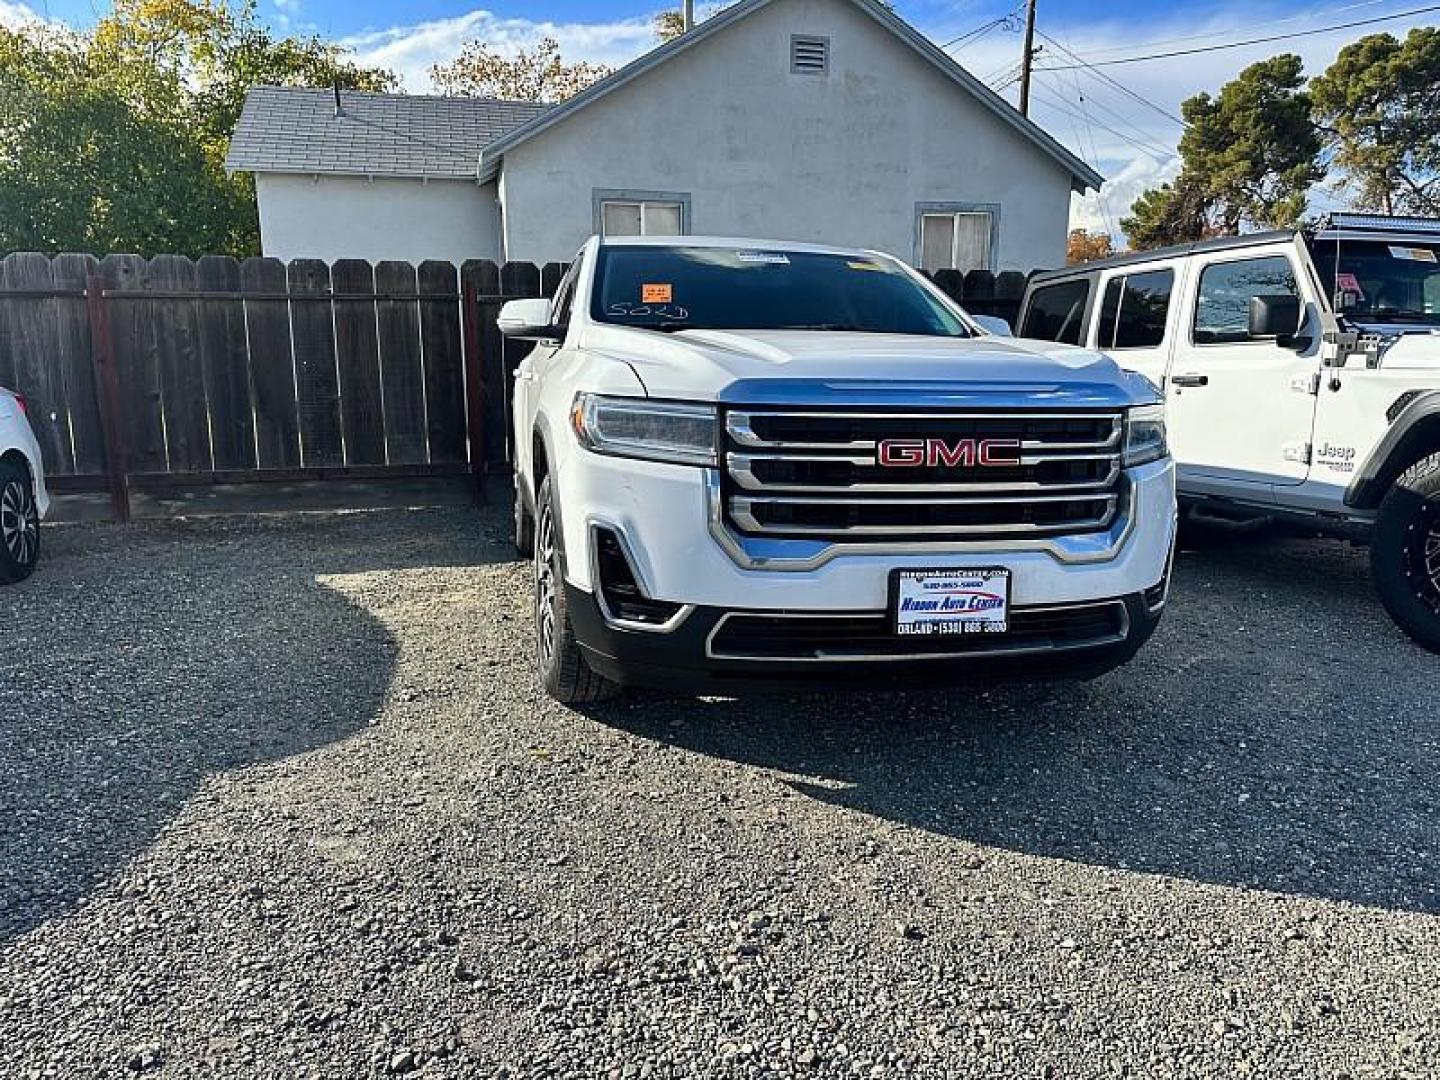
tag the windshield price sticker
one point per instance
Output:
(1413, 254)
(656, 294)
(866, 266)
(774, 258)
(1349, 283)
(928, 602)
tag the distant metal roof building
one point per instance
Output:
(293, 130)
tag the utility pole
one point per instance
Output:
(688, 18)
(1028, 59)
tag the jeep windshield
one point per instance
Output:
(712, 288)
(1382, 281)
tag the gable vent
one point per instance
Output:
(809, 55)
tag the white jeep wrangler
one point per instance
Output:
(747, 463)
(1301, 375)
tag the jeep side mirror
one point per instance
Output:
(528, 318)
(1275, 317)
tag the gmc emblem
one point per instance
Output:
(963, 453)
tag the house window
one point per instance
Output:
(960, 238)
(642, 213)
(809, 55)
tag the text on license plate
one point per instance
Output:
(951, 601)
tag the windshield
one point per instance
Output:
(1381, 280)
(680, 288)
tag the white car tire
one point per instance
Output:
(19, 524)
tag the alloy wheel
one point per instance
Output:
(545, 585)
(1432, 560)
(19, 523)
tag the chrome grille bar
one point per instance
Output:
(739, 425)
(742, 469)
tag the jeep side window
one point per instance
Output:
(1222, 311)
(1057, 312)
(1133, 313)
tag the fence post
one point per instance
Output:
(474, 385)
(107, 391)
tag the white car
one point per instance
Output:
(23, 498)
(746, 463)
(1302, 376)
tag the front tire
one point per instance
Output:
(1405, 552)
(19, 524)
(564, 674)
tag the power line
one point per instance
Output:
(1108, 79)
(985, 28)
(1135, 128)
(1309, 16)
(1251, 41)
(1062, 107)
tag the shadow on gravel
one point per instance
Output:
(140, 661)
(1278, 733)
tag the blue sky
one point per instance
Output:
(1121, 129)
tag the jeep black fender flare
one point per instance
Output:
(1413, 435)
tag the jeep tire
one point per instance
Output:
(1405, 552)
(564, 674)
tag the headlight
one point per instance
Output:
(674, 431)
(1145, 435)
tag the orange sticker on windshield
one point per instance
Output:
(656, 294)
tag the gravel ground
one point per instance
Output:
(279, 798)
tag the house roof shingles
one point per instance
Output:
(293, 130)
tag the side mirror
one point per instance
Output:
(528, 319)
(1275, 317)
(993, 324)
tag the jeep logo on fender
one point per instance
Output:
(962, 453)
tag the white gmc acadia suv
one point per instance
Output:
(745, 464)
(23, 499)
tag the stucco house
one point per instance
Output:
(824, 120)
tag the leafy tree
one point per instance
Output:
(115, 140)
(1084, 246)
(1169, 214)
(669, 24)
(1379, 106)
(1253, 150)
(1248, 157)
(527, 76)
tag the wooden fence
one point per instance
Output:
(173, 371)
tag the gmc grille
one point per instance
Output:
(816, 475)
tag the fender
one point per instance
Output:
(530, 491)
(1414, 434)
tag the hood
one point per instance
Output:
(1411, 348)
(776, 366)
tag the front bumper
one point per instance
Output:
(666, 515)
(724, 651)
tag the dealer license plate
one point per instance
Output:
(924, 602)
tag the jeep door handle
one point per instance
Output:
(1190, 380)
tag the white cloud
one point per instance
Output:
(1102, 212)
(410, 51)
(13, 15)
